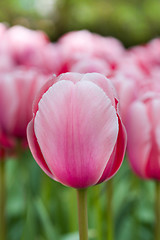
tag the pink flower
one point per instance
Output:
(23, 43)
(127, 92)
(48, 59)
(76, 135)
(143, 129)
(154, 52)
(131, 82)
(17, 90)
(79, 45)
(6, 62)
(90, 65)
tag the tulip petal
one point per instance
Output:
(43, 89)
(139, 142)
(70, 76)
(153, 165)
(36, 152)
(77, 128)
(117, 156)
(103, 83)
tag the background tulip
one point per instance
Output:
(22, 43)
(90, 65)
(17, 90)
(143, 129)
(143, 136)
(79, 45)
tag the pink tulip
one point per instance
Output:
(132, 82)
(130, 66)
(6, 62)
(154, 52)
(127, 92)
(79, 45)
(48, 59)
(143, 129)
(23, 43)
(146, 56)
(142, 58)
(76, 135)
(17, 90)
(90, 65)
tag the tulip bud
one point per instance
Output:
(76, 134)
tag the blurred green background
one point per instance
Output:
(39, 208)
(131, 21)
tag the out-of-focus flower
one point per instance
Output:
(126, 90)
(80, 45)
(90, 65)
(17, 91)
(6, 62)
(22, 43)
(154, 52)
(143, 129)
(132, 81)
(48, 59)
(76, 135)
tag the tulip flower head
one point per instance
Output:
(76, 135)
(79, 45)
(143, 130)
(17, 91)
(22, 43)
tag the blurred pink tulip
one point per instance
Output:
(23, 43)
(90, 65)
(133, 81)
(143, 129)
(142, 58)
(76, 135)
(127, 92)
(6, 62)
(79, 45)
(154, 52)
(17, 91)
(48, 59)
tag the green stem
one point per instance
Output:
(97, 190)
(2, 197)
(72, 211)
(110, 225)
(157, 211)
(82, 213)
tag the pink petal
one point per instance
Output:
(153, 165)
(139, 140)
(70, 76)
(117, 156)
(77, 128)
(36, 152)
(103, 83)
(45, 87)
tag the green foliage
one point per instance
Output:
(39, 208)
(133, 22)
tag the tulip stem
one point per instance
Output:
(82, 213)
(109, 213)
(72, 210)
(99, 214)
(157, 211)
(2, 197)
